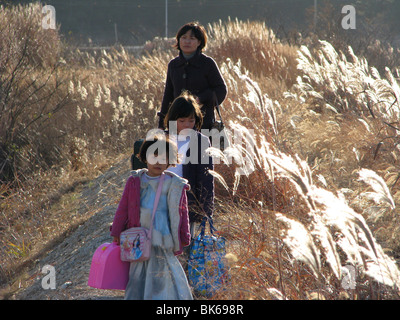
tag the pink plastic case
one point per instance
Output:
(107, 271)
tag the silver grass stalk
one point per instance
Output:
(381, 192)
(384, 270)
(296, 171)
(301, 244)
(328, 244)
(219, 178)
(336, 213)
(276, 294)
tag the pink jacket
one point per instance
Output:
(128, 211)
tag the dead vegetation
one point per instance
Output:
(310, 210)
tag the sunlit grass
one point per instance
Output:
(319, 189)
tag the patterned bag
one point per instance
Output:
(206, 266)
(135, 244)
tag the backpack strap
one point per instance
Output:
(158, 194)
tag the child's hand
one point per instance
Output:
(116, 239)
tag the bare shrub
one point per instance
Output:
(30, 91)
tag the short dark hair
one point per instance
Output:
(184, 106)
(170, 148)
(198, 31)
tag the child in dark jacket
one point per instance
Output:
(184, 120)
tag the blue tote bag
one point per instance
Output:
(206, 266)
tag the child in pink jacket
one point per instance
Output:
(162, 276)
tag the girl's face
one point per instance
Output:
(185, 123)
(156, 165)
(188, 43)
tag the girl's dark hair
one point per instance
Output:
(170, 148)
(182, 107)
(198, 31)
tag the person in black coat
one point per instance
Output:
(195, 72)
(183, 121)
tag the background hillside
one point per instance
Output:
(315, 204)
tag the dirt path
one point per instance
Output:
(71, 258)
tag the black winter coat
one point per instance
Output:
(200, 76)
(201, 193)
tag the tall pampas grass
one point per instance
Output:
(308, 187)
(347, 84)
(320, 229)
(258, 50)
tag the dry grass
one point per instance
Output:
(321, 191)
(330, 122)
(269, 61)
